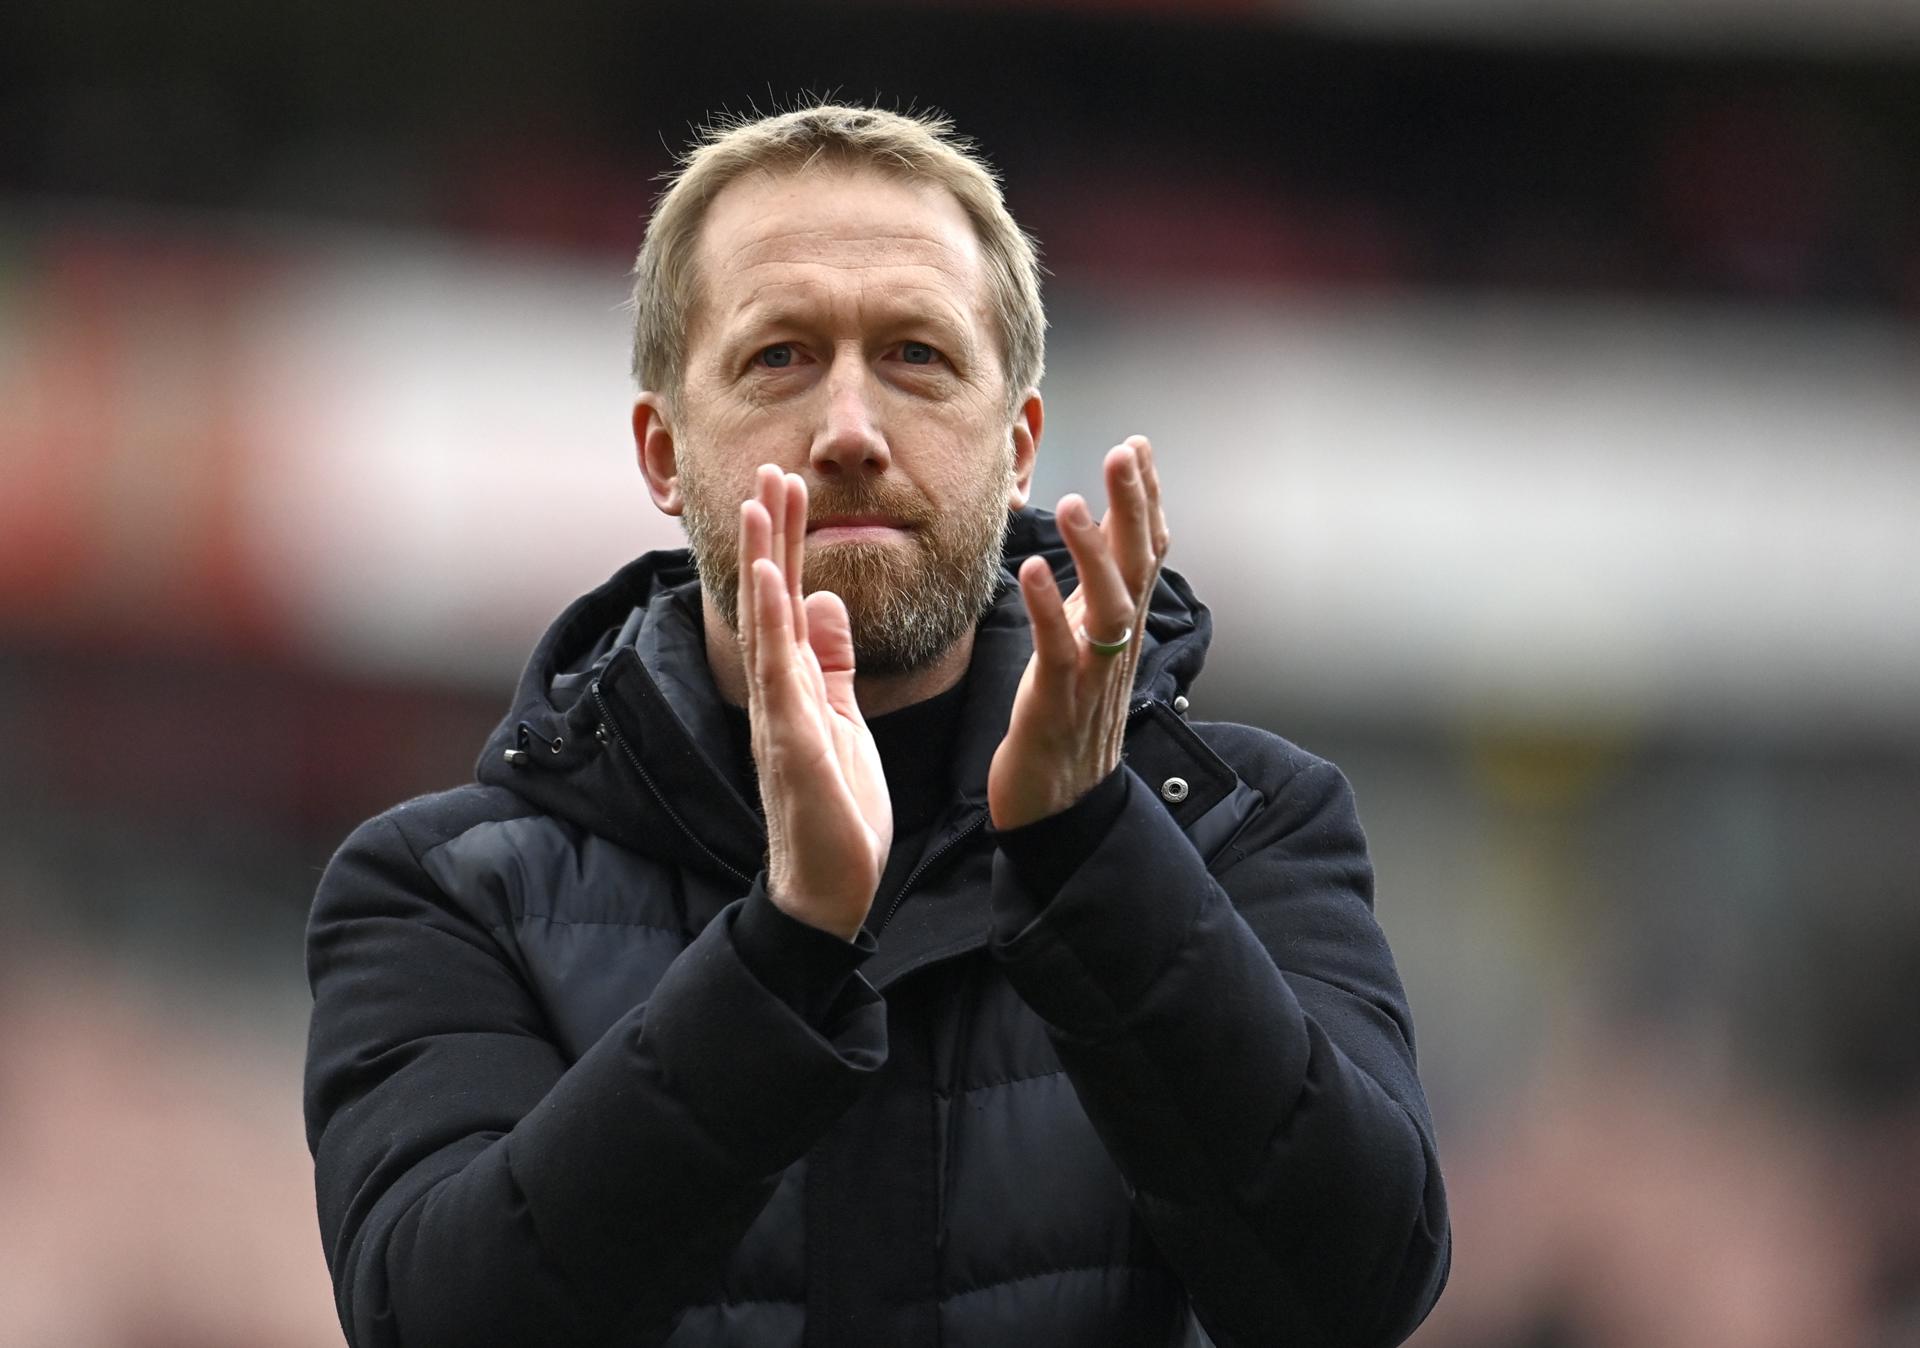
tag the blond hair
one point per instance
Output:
(917, 147)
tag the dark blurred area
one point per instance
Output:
(1539, 393)
(1280, 151)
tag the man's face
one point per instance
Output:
(842, 331)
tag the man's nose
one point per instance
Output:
(850, 440)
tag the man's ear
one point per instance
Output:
(1027, 422)
(658, 453)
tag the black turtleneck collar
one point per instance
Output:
(916, 750)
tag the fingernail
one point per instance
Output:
(1076, 513)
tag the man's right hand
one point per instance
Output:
(829, 820)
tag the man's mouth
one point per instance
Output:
(854, 528)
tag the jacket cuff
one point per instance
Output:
(805, 967)
(1047, 851)
(1085, 956)
(713, 1064)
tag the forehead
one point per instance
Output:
(821, 233)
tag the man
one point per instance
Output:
(969, 1034)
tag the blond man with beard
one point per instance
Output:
(806, 966)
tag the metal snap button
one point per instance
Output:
(1180, 704)
(1174, 790)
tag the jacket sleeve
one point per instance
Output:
(1244, 1048)
(477, 1189)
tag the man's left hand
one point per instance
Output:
(1070, 713)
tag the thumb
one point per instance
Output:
(830, 633)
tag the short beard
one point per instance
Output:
(907, 604)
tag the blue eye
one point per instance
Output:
(918, 353)
(777, 357)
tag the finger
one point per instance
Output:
(1127, 524)
(781, 706)
(1156, 514)
(1054, 641)
(772, 628)
(754, 536)
(770, 489)
(1110, 609)
(796, 555)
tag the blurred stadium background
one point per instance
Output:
(1538, 388)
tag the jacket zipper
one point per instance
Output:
(900, 895)
(613, 728)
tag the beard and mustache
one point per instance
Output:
(907, 601)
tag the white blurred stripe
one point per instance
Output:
(445, 454)
(1432, 508)
(1474, 507)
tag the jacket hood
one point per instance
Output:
(617, 727)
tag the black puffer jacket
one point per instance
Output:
(550, 1103)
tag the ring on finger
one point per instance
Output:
(1107, 647)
